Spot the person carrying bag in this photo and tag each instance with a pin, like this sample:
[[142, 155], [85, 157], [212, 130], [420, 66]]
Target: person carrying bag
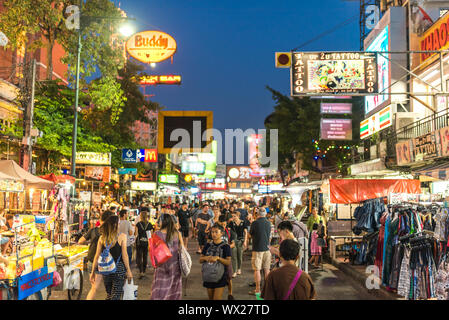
[[142, 244]]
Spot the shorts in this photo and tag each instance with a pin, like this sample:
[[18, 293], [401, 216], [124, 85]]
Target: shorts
[[261, 260], [4, 240], [202, 240], [185, 232]]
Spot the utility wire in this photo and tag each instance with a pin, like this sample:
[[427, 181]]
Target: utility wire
[[331, 30]]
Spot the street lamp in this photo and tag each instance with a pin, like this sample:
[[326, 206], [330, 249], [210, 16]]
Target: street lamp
[[126, 30]]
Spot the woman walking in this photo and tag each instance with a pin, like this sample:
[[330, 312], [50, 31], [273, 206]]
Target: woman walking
[[216, 251], [117, 243], [142, 227], [167, 282]]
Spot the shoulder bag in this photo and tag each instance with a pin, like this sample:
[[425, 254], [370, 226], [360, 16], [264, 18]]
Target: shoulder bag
[[185, 261], [293, 284], [158, 251]]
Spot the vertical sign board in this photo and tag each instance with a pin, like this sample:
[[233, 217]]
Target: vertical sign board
[[33, 282], [378, 121], [336, 129]]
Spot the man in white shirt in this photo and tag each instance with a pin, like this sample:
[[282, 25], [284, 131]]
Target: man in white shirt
[[125, 227]]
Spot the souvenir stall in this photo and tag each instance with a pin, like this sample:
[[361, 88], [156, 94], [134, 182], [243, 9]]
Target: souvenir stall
[[28, 260], [360, 205]]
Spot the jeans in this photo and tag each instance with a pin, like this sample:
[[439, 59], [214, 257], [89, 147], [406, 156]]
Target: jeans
[[237, 255], [142, 257]]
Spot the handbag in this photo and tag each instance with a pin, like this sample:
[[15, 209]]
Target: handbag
[[158, 251], [130, 291], [185, 261], [293, 284]]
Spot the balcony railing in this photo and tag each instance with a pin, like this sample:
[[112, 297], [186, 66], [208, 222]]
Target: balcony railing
[[416, 129]]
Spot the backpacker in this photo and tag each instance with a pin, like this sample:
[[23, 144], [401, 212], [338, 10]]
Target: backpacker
[[106, 263], [142, 241], [213, 271]]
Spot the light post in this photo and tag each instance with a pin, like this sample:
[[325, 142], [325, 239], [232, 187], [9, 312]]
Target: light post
[[126, 31]]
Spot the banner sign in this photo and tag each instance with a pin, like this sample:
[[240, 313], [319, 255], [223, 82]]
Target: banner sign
[[33, 282], [193, 167], [434, 39], [239, 173], [146, 155], [168, 178], [96, 198], [333, 72], [378, 121], [98, 173], [148, 175], [132, 171], [336, 108], [11, 186], [84, 195], [129, 156], [143, 186], [93, 158], [428, 146], [213, 186], [336, 129]]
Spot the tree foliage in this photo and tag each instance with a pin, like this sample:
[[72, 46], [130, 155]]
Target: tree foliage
[[298, 124]]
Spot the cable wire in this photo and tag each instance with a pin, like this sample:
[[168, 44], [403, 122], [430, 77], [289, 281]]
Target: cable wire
[[331, 30]]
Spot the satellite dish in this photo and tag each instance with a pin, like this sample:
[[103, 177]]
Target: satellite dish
[[3, 39]]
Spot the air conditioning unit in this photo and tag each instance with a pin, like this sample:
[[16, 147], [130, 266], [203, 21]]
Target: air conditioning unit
[[403, 119]]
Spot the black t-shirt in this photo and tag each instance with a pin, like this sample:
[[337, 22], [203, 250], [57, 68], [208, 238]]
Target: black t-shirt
[[225, 252], [260, 232], [229, 236], [203, 216], [92, 235], [240, 229], [183, 217]]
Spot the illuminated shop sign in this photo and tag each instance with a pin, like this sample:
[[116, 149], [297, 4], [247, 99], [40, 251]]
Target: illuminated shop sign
[[151, 46], [333, 72], [155, 80]]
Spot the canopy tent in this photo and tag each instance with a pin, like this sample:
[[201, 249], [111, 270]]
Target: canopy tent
[[346, 191], [11, 168], [4, 176], [58, 179]]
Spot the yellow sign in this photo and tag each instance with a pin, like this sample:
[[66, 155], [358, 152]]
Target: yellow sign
[[93, 158], [154, 80], [434, 39], [188, 178], [151, 46]]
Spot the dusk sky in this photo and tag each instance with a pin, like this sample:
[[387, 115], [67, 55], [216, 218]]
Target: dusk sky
[[226, 50]]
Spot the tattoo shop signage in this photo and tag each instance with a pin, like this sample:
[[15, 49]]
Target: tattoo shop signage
[[428, 146], [34, 282], [333, 73]]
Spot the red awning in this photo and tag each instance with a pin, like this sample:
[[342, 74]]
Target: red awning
[[58, 179], [346, 191]]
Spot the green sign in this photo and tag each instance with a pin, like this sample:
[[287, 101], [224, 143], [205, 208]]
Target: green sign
[[168, 178], [211, 162]]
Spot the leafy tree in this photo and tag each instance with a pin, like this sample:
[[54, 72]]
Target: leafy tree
[[298, 124]]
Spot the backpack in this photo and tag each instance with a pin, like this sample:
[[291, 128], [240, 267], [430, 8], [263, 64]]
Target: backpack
[[143, 241], [106, 263], [213, 271]]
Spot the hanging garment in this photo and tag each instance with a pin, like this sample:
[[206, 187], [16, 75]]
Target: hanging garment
[[405, 274], [396, 266], [392, 227], [380, 244]]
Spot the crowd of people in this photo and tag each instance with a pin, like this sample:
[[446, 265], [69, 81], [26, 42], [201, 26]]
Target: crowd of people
[[223, 230]]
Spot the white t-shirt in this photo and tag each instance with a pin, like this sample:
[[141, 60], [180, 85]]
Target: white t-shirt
[[124, 226]]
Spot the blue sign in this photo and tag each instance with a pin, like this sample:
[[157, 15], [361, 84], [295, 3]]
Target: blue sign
[[33, 282], [129, 156], [140, 155], [132, 171]]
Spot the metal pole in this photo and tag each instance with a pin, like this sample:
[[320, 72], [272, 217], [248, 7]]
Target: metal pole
[[33, 86], [75, 118]]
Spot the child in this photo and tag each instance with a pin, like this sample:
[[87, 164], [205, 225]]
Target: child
[[315, 249]]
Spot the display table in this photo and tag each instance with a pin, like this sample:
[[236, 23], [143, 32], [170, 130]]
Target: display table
[[334, 239]]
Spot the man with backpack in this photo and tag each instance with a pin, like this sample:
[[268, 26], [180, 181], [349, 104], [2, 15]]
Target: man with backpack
[[142, 228], [93, 235]]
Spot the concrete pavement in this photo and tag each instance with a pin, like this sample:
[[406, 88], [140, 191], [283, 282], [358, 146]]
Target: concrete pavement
[[330, 283]]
